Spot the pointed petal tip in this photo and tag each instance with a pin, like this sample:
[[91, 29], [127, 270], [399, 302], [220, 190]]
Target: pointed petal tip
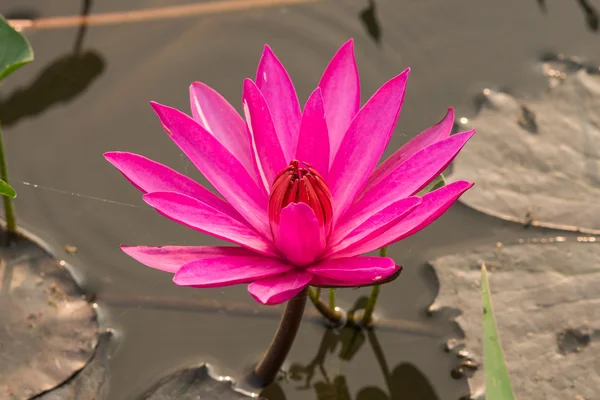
[[448, 117], [129, 250], [150, 197], [196, 84], [110, 155], [248, 82], [467, 134], [463, 185], [399, 79], [248, 85], [348, 44], [268, 50], [159, 110]]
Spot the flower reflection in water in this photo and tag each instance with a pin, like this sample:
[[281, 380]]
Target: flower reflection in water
[[403, 382]]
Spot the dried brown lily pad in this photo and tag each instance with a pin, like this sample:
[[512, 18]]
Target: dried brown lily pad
[[193, 384], [91, 383], [48, 331], [546, 296], [537, 162]]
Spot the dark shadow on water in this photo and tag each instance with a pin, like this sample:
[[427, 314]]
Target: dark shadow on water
[[403, 382], [60, 81], [368, 17], [591, 14]]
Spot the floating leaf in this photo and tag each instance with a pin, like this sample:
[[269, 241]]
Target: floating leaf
[[15, 50], [546, 306], [48, 331], [437, 183], [192, 384], [7, 190], [537, 162], [89, 383], [497, 380]]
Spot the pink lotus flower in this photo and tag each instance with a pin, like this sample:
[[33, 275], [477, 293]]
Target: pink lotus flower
[[300, 191]]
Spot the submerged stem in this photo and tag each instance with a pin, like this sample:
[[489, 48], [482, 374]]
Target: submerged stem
[[370, 307], [271, 362], [9, 211], [332, 299]]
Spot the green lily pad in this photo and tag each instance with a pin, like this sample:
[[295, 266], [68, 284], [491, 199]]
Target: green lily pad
[[546, 298], [15, 50], [537, 161], [7, 190], [48, 331]]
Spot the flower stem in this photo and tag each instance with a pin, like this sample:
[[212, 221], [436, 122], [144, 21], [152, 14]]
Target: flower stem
[[331, 314], [368, 315], [271, 362], [332, 299], [9, 211]]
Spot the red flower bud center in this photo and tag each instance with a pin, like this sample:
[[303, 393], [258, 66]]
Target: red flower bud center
[[300, 183]]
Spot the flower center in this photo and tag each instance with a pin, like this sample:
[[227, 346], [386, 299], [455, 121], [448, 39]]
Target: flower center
[[300, 183]]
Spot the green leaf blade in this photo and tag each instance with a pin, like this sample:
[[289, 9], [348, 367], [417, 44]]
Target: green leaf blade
[[497, 379], [15, 50], [7, 190]]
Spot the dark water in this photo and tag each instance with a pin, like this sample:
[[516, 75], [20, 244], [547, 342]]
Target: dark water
[[82, 97]]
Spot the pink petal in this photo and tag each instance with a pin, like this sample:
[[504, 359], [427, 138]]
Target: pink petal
[[378, 222], [432, 206], [219, 118], [222, 169], [171, 258], [276, 86], [150, 176], [300, 238], [407, 179], [365, 142], [353, 271], [431, 135], [264, 135], [341, 94], [227, 271], [194, 214], [313, 144], [280, 288]]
